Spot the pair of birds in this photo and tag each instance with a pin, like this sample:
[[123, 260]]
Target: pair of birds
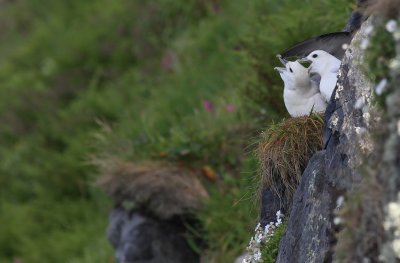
[[309, 89], [304, 92]]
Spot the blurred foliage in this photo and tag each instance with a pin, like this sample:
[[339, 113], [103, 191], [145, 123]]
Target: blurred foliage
[[380, 53], [230, 216], [166, 79], [381, 50]]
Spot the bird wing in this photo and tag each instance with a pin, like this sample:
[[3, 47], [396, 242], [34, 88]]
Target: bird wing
[[316, 78], [335, 69], [331, 43]]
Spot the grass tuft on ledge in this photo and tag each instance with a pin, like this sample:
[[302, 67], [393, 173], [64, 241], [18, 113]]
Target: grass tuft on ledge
[[284, 151]]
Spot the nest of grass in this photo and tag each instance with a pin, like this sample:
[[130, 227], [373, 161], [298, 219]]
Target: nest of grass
[[284, 152], [160, 188]]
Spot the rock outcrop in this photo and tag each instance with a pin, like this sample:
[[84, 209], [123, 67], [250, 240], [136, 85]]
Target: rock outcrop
[[153, 204], [139, 238], [312, 203]]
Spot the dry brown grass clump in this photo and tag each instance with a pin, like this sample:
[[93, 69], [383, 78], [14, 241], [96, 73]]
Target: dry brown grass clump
[[386, 8], [160, 188], [284, 152]]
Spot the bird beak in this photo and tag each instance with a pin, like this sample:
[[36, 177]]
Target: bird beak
[[280, 69], [304, 60], [282, 60]]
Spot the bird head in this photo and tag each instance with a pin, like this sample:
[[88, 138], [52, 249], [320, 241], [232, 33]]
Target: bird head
[[320, 61], [299, 73], [294, 74]]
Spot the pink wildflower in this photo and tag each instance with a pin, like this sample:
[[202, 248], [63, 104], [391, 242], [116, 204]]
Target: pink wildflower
[[230, 108], [168, 61], [216, 8], [208, 106]]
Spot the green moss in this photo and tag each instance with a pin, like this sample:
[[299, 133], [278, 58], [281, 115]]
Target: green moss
[[269, 251]]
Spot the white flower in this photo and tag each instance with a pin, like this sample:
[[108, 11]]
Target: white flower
[[360, 130], [279, 214], [368, 30], [396, 247], [339, 201], [391, 26], [380, 88], [394, 210], [396, 35], [358, 105], [395, 64], [259, 238], [269, 227], [398, 127], [337, 220], [364, 43], [392, 224], [257, 256], [345, 46]]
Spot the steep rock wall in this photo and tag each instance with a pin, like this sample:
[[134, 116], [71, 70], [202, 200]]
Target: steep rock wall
[[331, 172]]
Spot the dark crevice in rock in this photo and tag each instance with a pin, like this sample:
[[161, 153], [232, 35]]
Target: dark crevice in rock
[[270, 204]]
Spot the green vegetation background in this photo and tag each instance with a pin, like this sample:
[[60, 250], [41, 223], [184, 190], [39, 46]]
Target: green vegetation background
[[128, 79]]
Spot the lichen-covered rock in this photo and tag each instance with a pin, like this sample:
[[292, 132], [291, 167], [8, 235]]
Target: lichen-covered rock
[[348, 124], [371, 214], [138, 238], [308, 237]]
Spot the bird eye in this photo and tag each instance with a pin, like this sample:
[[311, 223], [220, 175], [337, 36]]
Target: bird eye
[[291, 70], [315, 55]]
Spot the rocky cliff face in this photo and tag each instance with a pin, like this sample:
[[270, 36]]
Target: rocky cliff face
[[331, 172], [360, 141]]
